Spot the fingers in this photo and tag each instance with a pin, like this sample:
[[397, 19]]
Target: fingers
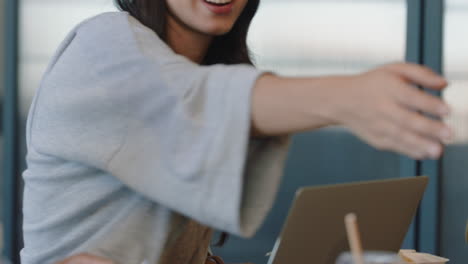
[[412, 134], [418, 147], [417, 100], [428, 127], [396, 138], [418, 75], [422, 101], [423, 133], [389, 118], [85, 259]]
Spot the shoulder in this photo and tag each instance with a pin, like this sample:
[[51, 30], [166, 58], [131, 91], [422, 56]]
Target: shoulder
[[117, 28], [118, 34], [106, 40], [107, 24], [108, 43], [108, 30]]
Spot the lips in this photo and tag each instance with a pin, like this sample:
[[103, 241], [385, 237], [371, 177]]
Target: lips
[[218, 2], [219, 7]]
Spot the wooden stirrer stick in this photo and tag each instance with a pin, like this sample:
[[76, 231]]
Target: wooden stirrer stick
[[354, 238]]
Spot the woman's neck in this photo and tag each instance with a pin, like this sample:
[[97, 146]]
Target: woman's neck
[[187, 42]]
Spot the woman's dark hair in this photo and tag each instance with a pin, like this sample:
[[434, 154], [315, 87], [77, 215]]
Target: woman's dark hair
[[230, 48]]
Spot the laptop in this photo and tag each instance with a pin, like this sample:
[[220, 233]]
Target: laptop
[[314, 231]]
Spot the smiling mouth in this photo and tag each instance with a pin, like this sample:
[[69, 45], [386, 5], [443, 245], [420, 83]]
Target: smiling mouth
[[218, 2]]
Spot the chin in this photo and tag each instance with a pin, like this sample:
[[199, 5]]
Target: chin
[[217, 30]]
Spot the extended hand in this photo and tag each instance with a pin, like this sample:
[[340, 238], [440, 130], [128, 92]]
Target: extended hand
[[384, 108]]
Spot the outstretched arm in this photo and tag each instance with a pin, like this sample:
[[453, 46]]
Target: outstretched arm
[[381, 106]]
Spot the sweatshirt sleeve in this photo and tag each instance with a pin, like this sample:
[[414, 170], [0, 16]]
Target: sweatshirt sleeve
[[118, 99]]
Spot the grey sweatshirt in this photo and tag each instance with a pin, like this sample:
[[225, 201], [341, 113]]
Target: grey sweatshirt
[[124, 134]]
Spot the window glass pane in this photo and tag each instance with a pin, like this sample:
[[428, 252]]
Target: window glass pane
[[311, 37], [322, 37], [454, 181]]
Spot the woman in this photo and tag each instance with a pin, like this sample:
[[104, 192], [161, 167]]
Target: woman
[[150, 128]]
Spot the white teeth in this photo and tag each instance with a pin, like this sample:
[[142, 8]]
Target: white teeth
[[219, 2]]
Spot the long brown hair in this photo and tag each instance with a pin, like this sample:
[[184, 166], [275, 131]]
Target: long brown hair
[[230, 48]]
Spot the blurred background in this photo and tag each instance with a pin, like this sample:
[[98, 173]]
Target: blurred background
[[293, 38]]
